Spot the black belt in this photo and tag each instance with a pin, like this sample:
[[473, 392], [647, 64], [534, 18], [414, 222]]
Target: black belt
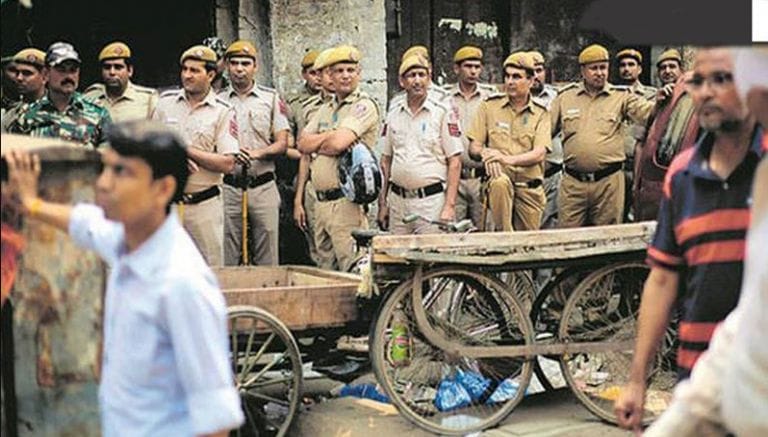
[[329, 195], [596, 176], [552, 169], [533, 183], [249, 181], [200, 196], [420, 193], [472, 173]]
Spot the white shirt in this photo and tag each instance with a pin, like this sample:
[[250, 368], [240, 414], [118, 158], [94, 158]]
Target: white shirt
[[165, 367]]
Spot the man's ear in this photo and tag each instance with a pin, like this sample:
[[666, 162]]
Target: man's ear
[[130, 71], [166, 188]]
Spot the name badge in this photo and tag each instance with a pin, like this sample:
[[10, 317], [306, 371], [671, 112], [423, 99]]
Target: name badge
[[171, 120], [574, 111], [502, 125]]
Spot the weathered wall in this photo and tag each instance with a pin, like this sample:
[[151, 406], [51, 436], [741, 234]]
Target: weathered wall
[[298, 26]]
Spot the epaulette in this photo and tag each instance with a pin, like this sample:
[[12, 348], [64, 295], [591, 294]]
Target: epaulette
[[144, 89], [625, 88], [223, 102], [94, 88], [266, 89], [496, 95], [488, 87], [539, 104], [566, 87], [171, 93]]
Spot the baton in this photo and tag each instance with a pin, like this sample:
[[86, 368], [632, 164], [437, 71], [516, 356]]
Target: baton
[[244, 215]]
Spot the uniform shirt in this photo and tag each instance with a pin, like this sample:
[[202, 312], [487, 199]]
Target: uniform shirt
[[700, 235], [261, 114], [82, 121], [501, 127], [296, 105], [136, 103], [165, 366], [420, 143], [467, 108], [12, 114], [358, 113], [311, 105], [592, 126], [634, 132], [210, 126], [545, 98]]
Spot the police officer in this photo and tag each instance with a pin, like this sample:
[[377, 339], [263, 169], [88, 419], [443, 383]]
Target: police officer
[[350, 117], [208, 125], [63, 112], [305, 197], [311, 87], [434, 91], [590, 115], [545, 94], [30, 82], [511, 134], [630, 67], [219, 47], [421, 156], [669, 66], [465, 97], [263, 133], [124, 99]]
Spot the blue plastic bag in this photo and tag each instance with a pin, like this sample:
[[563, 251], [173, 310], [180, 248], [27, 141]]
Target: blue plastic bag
[[473, 382], [451, 395], [504, 392], [365, 391]]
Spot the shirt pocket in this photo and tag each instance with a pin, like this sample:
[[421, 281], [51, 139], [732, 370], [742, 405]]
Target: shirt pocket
[[259, 122], [499, 138], [607, 123], [571, 123], [524, 140], [203, 134]]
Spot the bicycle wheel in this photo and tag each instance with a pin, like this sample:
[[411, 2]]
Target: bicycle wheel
[[520, 283], [267, 368], [469, 308], [604, 307]]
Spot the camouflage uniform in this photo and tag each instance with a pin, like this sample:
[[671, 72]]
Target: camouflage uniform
[[82, 121]]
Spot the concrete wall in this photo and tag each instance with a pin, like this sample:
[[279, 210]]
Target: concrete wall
[[299, 25]]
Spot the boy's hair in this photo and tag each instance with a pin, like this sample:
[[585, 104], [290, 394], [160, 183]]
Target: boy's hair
[[161, 148]]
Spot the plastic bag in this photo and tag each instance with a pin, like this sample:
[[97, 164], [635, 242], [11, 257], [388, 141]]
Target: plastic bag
[[473, 382], [451, 395], [504, 392]]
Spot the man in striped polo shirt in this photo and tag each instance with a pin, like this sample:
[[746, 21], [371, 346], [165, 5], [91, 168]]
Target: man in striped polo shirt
[[697, 253]]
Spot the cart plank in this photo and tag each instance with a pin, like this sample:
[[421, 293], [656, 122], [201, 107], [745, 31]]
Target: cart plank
[[301, 297], [499, 248]]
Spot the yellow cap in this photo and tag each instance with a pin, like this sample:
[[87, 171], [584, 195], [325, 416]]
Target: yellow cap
[[670, 54], [413, 61], [322, 59], [593, 53], [630, 53], [538, 58], [415, 50], [31, 56], [343, 54], [522, 60], [309, 59], [115, 50], [467, 52], [241, 48], [200, 53]]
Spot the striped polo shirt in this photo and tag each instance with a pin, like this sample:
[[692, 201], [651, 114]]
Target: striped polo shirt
[[702, 225]]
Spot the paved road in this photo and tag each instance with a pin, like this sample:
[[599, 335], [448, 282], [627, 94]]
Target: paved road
[[550, 414]]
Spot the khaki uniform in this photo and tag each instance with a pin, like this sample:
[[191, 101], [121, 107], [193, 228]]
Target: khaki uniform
[[633, 132], [210, 126], [419, 145], [335, 219], [553, 164], [296, 105], [136, 103], [593, 142], [516, 199], [261, 114], [469, 202]]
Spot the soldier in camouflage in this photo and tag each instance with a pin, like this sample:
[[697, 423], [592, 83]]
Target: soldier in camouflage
[[63, 112], [30, 83]]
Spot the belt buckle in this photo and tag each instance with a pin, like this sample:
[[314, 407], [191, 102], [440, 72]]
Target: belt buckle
[[590, 177], [186, 198]]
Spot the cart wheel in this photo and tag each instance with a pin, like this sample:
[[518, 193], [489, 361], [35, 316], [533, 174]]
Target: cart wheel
[[604, 307], [267, 368], [546, 313], [464, 306]]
